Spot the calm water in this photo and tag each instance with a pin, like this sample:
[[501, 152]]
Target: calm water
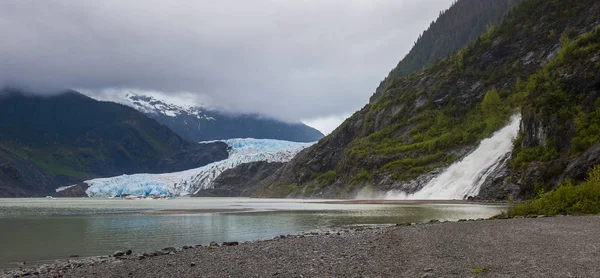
[[47, 229]]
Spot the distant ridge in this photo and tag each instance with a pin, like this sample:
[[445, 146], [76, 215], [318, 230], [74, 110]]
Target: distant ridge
[[197, 123]]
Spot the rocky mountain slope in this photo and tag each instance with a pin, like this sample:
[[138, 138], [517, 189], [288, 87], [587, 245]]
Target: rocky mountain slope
[[240, 181], [456, 27], [424, 122], [21, 177], [196, 123], [50, 141], [560, 131]]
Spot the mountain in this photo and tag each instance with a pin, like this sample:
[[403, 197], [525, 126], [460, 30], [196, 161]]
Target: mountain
[[541, 61], [49, 141], [197, 123], [240, 181], [456, 27], [195, 181]]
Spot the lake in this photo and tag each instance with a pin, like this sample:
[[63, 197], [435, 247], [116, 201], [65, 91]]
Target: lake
[[39, 229]]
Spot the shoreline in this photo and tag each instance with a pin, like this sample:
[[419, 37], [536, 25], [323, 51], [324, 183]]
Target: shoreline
[[413, 202], [436, 248]]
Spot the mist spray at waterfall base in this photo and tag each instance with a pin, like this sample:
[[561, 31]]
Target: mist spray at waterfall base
[[465, 177]]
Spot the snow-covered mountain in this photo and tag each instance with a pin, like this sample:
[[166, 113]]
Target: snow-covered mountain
[[190, 181], [202, 123]]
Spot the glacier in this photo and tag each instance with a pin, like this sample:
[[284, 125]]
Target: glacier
[[187, 182]]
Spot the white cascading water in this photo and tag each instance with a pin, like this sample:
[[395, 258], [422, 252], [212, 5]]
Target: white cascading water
[[465, 177]]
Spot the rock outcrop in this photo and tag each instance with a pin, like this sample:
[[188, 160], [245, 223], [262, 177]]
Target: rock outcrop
[[241, 181]]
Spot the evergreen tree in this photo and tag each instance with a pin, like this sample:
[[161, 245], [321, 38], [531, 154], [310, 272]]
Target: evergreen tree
[[456, 27]]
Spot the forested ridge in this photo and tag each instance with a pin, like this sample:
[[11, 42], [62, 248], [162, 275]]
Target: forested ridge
[[456, 26]]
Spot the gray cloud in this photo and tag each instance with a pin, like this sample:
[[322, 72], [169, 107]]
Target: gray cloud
[[288, 59]]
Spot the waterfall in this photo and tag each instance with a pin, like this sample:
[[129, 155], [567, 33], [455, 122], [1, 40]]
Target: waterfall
[[465, 177]]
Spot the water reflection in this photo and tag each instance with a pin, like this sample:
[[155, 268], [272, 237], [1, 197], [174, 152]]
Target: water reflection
[[44, 233]]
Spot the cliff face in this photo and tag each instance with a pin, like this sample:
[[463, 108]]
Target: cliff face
[[560, 130], [426, 121]]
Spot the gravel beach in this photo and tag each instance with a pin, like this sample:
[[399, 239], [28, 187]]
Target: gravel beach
[[532, 247]]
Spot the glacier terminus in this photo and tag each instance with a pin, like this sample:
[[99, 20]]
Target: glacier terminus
[[188, 182]]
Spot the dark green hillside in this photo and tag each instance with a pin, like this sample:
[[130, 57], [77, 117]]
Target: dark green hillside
[[72, 137], [426, 121], [456, 27]]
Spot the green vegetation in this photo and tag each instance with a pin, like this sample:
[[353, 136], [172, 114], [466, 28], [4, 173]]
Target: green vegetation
[[588, 130], [362, 177], [479, 270], [566, 199], [435, 134], [453, 30], [326, 178], [550, 99]]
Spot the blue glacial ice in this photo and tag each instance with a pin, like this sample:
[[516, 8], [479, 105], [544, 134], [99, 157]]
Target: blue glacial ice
[[188, 182]]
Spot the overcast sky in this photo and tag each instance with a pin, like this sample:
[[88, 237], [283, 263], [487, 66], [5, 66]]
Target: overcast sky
[[313, 60]]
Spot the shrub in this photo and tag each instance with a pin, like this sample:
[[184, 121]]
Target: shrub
[[327, 177], [363, 176], [566, 199]]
